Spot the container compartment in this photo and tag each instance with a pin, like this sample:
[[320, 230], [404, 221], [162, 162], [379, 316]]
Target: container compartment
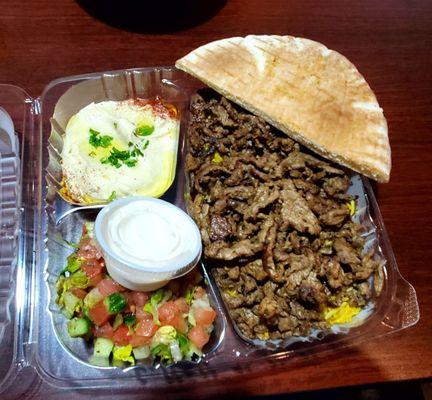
[[68, 230], [63, 221], [32, 331]]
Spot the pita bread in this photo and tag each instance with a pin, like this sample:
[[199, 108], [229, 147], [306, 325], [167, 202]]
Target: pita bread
[[313, 94]]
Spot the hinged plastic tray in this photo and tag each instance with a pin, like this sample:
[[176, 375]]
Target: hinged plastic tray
[[34, 220]]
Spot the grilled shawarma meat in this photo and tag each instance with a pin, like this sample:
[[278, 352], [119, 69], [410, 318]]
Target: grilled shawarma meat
[[274, 222]]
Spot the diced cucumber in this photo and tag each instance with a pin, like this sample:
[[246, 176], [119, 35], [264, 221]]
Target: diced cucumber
[[117, 321], [99, 361], [78, 327], [103, 347], [93, 297], [142, 352], [72, 303]]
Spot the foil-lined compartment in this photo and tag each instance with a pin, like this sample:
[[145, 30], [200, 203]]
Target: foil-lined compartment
[[109, 86]]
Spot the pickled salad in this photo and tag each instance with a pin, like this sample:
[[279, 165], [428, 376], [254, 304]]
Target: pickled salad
[[168, 325]]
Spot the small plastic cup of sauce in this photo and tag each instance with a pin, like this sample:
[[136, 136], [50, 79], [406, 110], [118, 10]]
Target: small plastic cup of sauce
[[146, 242]]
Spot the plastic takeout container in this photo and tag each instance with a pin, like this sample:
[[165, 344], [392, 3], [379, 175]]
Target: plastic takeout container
[[36, 221], [144, 275]]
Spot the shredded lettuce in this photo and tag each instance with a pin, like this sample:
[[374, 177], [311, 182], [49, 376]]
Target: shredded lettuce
[[165, 334], [155, 300], [123, 354], [79, 279], [89, 228], [63, 285], [142, 352], [190, 294], [163, 352], [73, 263]]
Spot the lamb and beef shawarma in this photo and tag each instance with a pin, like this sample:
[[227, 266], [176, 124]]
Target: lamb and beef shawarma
[[276, 224]]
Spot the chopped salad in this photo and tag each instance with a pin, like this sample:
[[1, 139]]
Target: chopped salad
[[168, 325]]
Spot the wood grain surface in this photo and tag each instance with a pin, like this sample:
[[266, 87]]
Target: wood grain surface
[[390, 42]]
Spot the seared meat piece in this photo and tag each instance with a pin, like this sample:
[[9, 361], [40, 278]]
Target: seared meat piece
[[264, 196], [367, 267], [295, 211], [346, 254], [268, 308], [220, 228], [333, 272], [234, 273], [295, 160], [312, 290], [335, 217], [256, 270], [337, 184], [274, 222], [222, 251]]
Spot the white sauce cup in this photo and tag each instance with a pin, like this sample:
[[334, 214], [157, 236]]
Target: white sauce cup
[[146, 242]]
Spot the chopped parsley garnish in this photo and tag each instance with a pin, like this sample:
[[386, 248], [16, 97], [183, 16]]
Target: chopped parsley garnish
[[92, 154], [115, 125], [98, 140], [117, 158], [144, 130], [146, 144], [112, 196]]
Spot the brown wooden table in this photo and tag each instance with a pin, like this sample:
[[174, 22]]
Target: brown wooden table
[[390, 42]]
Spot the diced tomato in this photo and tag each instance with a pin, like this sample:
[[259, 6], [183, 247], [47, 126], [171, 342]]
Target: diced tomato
[[199, 292], [99, 314], [107, 286], [142, 315], [198, 336], [181, 305], [87, 249], [80, 293], [137, 341], [179, 322], [96, 279], [204, 316], [146, 328], [121, 335], [104, 331], [139, 298], [92, 267], [167, 312]]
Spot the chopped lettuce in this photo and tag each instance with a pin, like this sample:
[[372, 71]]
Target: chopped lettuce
[[63, 285], [163, 352], [73, 264], [89, 228], [190, 294], [80, 280], [142, 352], [123, 354], [155, 300], [72, 304], [165, 334]]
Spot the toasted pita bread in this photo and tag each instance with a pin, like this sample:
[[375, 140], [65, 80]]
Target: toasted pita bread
[[313, 94]]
